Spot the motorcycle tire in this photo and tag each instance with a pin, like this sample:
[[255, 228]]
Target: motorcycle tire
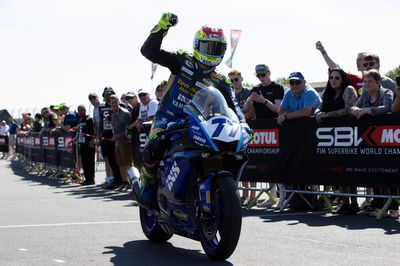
[[219, 236], [151, 228]]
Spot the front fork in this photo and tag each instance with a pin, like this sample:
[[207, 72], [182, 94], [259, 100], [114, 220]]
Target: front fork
[[205, 191]]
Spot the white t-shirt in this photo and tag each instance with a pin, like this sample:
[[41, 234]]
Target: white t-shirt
[[4, 130], [146, 111]]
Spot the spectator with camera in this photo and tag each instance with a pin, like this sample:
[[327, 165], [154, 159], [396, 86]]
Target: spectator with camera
[[263, 102]]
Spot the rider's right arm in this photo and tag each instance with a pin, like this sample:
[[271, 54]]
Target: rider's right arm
[[151, 49]]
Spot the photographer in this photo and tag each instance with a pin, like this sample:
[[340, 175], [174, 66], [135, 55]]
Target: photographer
[[396, 103]]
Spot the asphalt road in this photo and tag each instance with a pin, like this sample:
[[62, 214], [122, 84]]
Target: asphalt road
[[45, 222]]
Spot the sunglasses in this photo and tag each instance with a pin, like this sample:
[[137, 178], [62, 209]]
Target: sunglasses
[[371, 63], [142, 95], [295, 82], [334, 77], [261, 75], [158, 90], [235, 79]]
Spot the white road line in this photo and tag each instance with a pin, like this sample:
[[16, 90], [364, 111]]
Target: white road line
[[66, 224], [22, 249], [59, 261]]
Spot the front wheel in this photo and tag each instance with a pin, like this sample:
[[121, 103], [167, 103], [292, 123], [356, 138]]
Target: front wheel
[[151, 228], [219, 233]]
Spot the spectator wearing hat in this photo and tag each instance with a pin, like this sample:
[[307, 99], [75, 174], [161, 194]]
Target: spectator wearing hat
[[148, 108], [300, 101], [107, 146], [124, 103], [265, 98], [263, 103], [26, 124]]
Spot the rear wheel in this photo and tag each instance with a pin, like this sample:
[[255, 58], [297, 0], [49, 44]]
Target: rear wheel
[[219, 233], [151, 228]]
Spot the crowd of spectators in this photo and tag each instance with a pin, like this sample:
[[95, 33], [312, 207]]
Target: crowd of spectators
[[346, 94], [115, 123]]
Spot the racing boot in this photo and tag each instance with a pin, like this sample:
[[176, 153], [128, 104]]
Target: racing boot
[[146, 192]]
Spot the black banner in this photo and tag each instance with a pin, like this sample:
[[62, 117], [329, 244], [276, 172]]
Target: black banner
[[65, 149], [342, 151], [52, 149], [3, 143]]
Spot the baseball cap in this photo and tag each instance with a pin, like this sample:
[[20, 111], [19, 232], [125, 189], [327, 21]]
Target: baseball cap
[[130, 94], [92, 95], [108, 90], [142, 91], [296, 75], [261, 69]]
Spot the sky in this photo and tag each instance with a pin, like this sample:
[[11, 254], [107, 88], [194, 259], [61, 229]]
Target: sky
[[59, 51]]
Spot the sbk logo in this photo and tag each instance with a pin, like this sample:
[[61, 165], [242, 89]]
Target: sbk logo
[[349, 136]]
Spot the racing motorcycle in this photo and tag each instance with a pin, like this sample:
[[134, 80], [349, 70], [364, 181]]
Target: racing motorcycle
[[197, 178]]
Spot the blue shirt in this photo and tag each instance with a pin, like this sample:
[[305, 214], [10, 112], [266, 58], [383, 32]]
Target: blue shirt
[[309, 97], [13, 128], [71, 119]]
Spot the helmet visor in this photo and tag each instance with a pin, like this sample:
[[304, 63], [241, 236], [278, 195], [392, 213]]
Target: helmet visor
[[211, 48]]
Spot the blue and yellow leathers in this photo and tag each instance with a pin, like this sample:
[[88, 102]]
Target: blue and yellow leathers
[[186, 78]]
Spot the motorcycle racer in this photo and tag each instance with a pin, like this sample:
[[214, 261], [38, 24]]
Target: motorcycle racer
[[189, 73]]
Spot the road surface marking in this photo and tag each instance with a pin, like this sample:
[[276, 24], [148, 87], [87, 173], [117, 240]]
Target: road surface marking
[[66, 224]]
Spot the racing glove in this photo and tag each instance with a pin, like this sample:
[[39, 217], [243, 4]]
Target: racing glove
[[249, 131], [167, 21]]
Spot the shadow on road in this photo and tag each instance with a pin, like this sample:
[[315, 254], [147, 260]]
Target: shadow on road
[[351, 222], [77, 190], [315, 219], [143, 252]]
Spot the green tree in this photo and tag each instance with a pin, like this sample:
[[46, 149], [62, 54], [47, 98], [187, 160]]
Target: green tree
[[282, 80], [393, 73], [248, 85]]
